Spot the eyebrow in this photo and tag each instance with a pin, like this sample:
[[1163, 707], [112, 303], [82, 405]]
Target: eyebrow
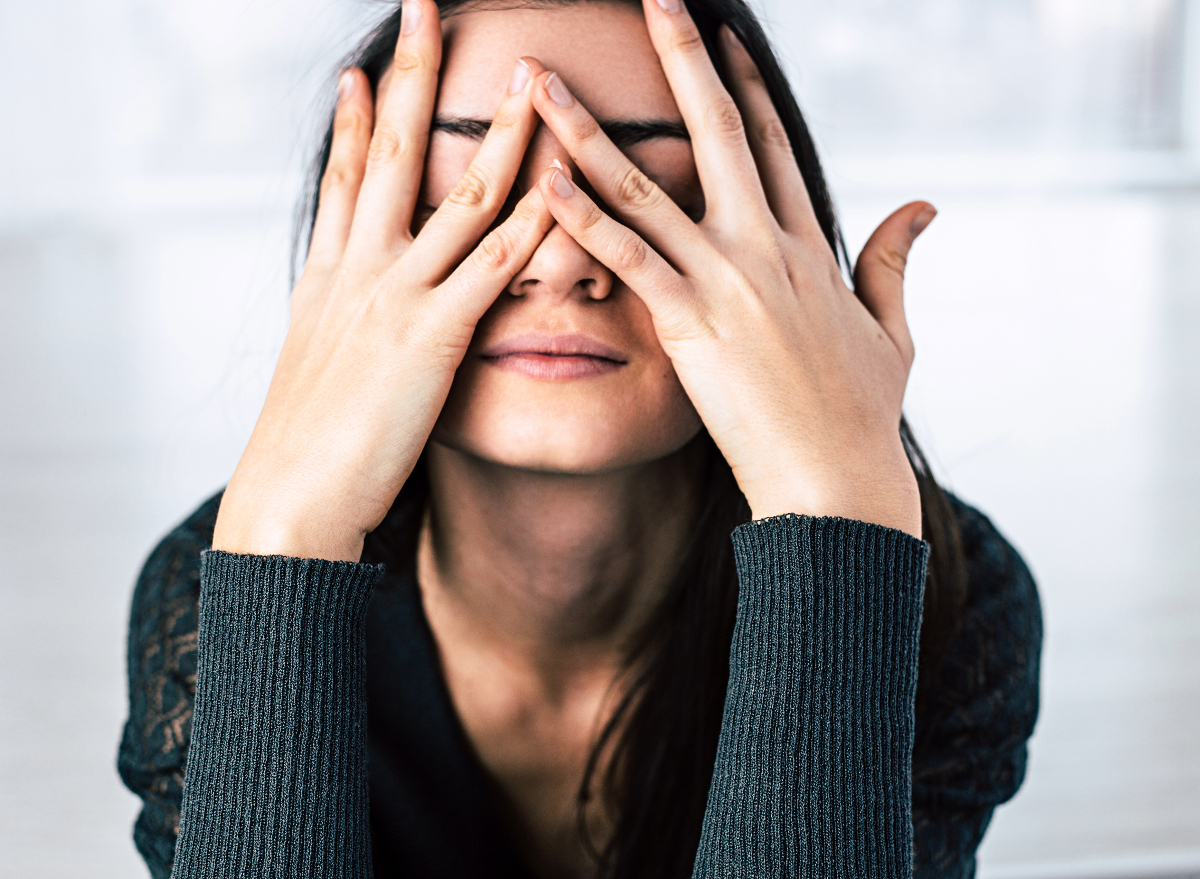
[[622, 132]]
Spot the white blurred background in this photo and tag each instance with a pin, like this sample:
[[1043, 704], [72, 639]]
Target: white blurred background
[[150, 159]]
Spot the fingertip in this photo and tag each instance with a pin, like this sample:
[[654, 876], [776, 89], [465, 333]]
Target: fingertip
[[354, 98], [556, 179], [541, 98], [350, 84], [557, 91], [410, 17], [921, 220], [560, 184], [420, 32], [536, 66]]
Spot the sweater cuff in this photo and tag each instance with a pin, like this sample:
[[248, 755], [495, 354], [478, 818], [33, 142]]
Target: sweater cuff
[[813, 774], [278, 749]]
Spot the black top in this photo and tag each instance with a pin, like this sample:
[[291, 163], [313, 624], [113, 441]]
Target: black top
[[430, 811]]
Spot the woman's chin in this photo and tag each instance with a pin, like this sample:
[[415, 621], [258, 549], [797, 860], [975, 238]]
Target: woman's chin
[[550, 451], [561, 445], [590, 426]]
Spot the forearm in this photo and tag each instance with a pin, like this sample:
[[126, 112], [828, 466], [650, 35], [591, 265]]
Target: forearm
[[813, 768], [276, 779]]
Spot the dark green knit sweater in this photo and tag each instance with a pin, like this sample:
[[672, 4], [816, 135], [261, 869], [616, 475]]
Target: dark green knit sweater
[[814, 774]]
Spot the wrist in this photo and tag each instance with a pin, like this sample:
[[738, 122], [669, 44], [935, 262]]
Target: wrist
[[276, 529], [881, 490]]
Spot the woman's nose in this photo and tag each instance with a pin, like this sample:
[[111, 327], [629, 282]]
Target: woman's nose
[[559, 267]]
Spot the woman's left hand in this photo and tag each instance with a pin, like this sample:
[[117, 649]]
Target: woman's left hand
[[798, 379]]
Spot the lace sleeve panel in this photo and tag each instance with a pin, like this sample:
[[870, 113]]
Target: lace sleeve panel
[[970, 756], [162, 684]]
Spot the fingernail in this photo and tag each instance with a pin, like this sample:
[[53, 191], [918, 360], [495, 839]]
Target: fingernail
[[555, 163], [520, 76], [561, 185], [671, 6], [345, 85], [558, 92], [921, 220], [410, 17]]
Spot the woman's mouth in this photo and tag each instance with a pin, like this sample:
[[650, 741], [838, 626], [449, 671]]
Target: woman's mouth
[[554, 357]]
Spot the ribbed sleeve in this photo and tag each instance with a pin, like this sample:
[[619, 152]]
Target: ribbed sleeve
[[813, 772], [276, 778]]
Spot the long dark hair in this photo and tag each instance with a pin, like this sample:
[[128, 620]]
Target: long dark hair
[[652, 762]]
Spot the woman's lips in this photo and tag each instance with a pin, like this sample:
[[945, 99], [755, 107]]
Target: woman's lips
[[554, 357]]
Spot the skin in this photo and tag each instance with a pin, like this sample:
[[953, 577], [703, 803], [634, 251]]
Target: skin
[[560, 505]]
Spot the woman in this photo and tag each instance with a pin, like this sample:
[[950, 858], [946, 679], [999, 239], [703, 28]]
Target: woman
[[571, 316]]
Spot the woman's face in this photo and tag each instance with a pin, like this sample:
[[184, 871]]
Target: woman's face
[[565, 373]]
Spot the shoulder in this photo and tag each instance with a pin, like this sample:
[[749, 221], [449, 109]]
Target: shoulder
[[998, 640], [164, 612], [994, 567], [163, 621], [978, 707], [169, 582], [981, 702], [175, 561], [167, 593]]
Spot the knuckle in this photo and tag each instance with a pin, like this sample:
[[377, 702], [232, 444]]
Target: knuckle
[[631, 252], [495, 251], [409, 63], [338, 177], [773, 134], [723, 119], [584, 128], [590, 217], [637, 190], [386, 146], [349, 124], [687, 40], [505, 121], [524, 214], [892, 258], [472, 190]]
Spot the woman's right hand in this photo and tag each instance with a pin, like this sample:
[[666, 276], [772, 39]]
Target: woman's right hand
[[380, 319]]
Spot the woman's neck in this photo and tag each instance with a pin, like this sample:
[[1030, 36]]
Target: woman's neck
[[561, 571], [534, 586]]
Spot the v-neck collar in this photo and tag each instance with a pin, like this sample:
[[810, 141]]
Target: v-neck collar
[[431, 811]]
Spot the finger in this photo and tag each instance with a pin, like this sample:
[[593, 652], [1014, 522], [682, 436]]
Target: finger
[[484, 274], [344, 171], [619, 248], [732, 189], [396, 156], [780, 175], [879, 273], [471, 207], [622, 185]]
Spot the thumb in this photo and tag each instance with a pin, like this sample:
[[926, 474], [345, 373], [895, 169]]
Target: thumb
[[879, 273]]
